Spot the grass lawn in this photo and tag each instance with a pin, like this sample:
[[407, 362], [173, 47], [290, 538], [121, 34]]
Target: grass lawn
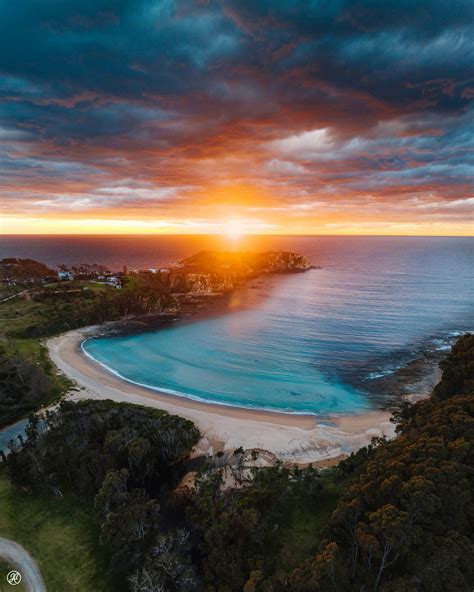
[[62, 538], [4, 586]]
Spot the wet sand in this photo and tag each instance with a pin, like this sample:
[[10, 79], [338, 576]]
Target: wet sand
[[292, 438]]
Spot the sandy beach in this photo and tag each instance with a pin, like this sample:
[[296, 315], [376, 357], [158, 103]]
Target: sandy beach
[[292, 438]]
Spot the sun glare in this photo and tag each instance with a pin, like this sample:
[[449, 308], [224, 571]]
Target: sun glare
[[234, 229]]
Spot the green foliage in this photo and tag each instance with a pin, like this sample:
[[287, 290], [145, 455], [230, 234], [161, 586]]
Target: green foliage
[[25, 385], [246, 538], [87, 439], [121, 457], [405, 519], [130, 528], [61, 535], [79, 304], [28, 379], [167, 566], [458, 370]]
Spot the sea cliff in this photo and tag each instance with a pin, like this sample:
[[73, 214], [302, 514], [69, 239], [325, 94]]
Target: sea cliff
[[211, 272], [247, 263]]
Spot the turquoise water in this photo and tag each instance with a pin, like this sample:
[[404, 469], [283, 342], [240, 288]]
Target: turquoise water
[[312, 342], [242, 358]]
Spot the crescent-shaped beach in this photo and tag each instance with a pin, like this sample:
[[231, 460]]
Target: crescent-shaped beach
[[292, 438]]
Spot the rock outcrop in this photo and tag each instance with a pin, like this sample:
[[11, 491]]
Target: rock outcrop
[[245, 263], [282, 262], [209, 272]]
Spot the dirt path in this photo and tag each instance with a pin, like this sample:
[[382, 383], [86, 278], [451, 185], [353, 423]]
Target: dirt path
[[24, 563]]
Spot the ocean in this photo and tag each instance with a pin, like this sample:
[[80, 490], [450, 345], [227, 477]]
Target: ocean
[[315, 342]]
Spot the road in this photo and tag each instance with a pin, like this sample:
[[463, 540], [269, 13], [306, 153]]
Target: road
[[33, 289], [14, 295], [22, 561]]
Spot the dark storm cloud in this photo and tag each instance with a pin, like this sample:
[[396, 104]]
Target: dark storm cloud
[[362, 94]]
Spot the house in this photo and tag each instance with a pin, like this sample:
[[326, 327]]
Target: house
[[65, 275], [114, 281]]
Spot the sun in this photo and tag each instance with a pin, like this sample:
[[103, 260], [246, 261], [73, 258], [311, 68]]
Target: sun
[[234, 229]]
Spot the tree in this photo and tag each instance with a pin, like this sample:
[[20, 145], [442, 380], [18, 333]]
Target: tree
[[129, 529], [167, 566], [405, 518]]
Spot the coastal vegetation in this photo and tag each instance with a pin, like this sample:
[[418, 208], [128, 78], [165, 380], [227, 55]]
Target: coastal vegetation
[[405, 518], [397, 515], [28, 379], [119, 459], [62, 537], [38, 302], [123, 463]]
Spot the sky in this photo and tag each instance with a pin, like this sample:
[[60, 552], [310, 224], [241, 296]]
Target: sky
[[282, 117]]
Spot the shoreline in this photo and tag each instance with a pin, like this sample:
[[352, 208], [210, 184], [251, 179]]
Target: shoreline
[[293, 438], [200, 401]]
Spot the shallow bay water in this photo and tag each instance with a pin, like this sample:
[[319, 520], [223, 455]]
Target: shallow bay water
[[311, 342]]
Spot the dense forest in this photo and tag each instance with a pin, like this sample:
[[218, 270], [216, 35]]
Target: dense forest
[[395, 516], [405, 519]]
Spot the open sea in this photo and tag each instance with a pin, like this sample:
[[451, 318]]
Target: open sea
[[303, 343]]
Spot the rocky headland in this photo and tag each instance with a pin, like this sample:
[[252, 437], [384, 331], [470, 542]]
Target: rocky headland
[[200, 283], [209, 272]]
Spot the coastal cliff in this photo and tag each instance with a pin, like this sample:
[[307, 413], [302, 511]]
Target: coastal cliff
[[211, 272], [244, 263]]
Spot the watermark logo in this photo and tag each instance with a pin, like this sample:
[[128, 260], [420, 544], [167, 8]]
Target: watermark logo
[[13, 577]]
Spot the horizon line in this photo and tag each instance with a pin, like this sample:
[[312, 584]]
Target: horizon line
[[223, 236]]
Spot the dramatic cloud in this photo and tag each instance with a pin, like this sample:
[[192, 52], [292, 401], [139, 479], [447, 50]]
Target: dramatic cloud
[[294, 116]]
